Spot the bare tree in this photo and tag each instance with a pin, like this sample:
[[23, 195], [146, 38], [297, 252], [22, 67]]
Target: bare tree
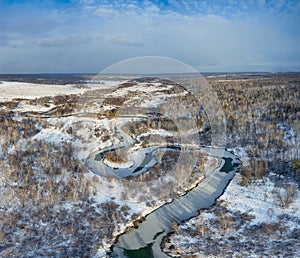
[[286, 197]]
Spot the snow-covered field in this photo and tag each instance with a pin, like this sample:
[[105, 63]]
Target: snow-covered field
[[258, 200], [247, 221], [12, 90]]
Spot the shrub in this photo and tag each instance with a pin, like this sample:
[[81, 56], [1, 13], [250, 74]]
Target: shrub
[[286, 197], [244, 181]]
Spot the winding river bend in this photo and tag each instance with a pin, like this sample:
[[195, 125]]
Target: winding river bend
[[145, 240]]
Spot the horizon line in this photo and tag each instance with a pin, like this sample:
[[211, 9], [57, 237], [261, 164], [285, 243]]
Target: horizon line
[[128, 74]]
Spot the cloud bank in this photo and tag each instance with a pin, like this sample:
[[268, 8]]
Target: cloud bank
[[89, 35]]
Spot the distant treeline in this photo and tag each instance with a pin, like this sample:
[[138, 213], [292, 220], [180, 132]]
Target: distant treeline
[[74, 78], [61, 79]]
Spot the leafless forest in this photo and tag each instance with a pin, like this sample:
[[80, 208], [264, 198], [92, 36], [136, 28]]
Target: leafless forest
[[39, 178]]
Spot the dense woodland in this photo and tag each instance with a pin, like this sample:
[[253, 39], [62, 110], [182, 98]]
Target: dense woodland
[[263, 116], [38, 180]]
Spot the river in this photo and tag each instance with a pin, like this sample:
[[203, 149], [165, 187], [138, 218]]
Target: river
[[145, 240]]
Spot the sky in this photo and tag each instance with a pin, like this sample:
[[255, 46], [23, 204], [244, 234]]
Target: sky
[[86, 36]]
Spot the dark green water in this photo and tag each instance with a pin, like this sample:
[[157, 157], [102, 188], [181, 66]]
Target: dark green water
[[144, 252], [228, 165]]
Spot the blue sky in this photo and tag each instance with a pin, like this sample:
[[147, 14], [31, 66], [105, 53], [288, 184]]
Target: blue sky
[[54, 36]]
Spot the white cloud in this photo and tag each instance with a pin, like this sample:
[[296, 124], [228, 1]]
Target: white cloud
[[109, 31], [103, 10]]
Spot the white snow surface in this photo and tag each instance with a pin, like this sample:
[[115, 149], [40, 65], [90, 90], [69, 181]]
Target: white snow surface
[[52, 135], [24, 106], [12, 90], [142, 87], [258, 200]]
